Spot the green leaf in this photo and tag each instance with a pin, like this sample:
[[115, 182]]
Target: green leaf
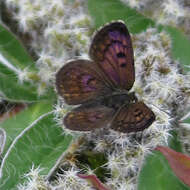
[[180, 45], [103, 11], [94, 161], [14, 59], [12, 90], [174, 142], [156, 174], [15, 125], [179, 163], [13, 51], [38, 143], [2, 140]]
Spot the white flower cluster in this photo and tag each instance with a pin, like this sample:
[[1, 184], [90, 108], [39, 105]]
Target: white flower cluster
[[165, 85], [159, 79], [59, 30], [169, 12], [34, 180], [68, 180]]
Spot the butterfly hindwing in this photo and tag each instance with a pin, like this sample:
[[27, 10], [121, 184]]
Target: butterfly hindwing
[[132, 118], [112, 50], [86, 118], [80, 81]]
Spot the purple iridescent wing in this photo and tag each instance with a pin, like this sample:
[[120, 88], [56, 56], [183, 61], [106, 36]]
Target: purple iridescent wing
[[80, 81], [86, 118], [112, 50], [132, 118]]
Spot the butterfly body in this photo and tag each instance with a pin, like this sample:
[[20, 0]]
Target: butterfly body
[[101, 86], [116, 101]]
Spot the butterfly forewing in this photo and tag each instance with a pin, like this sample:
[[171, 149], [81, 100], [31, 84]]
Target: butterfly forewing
[[112, 50], [86, 118], [80, 81], [132, 118]]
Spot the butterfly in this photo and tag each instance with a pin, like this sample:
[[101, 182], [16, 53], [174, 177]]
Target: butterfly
[[101, 85]]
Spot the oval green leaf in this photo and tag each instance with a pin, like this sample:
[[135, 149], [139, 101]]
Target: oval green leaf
[[41, 143], [156, 174]]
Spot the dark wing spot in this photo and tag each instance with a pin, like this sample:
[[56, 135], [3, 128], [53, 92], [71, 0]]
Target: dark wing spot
[[137, 113], [120, 55], [123, 64], [91, 82]]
